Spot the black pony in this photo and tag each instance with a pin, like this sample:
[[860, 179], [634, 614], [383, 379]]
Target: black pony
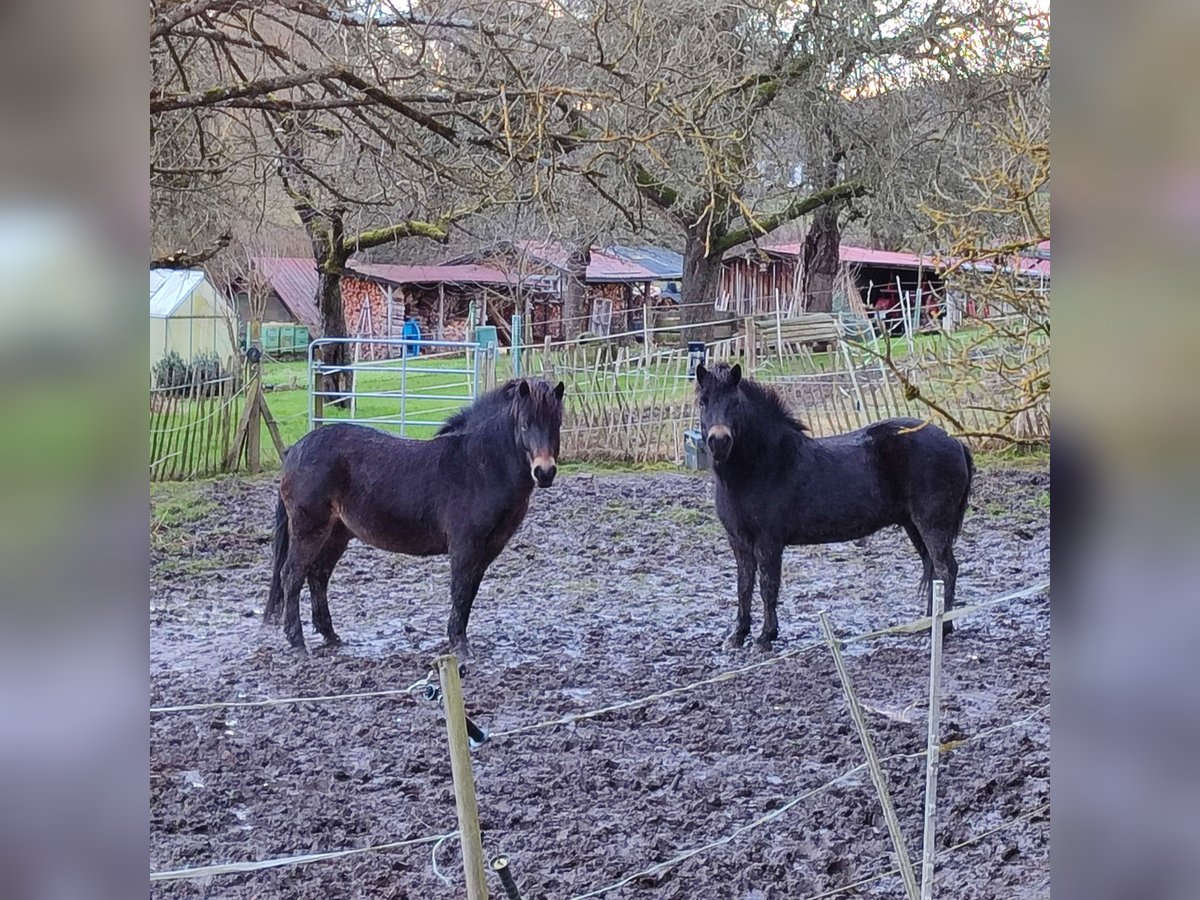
[[464, 492], [776, 486]]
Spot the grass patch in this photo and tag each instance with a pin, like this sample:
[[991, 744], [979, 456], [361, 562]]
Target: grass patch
[[174, 508], [690, 518], [1036, 458], [995, 508]]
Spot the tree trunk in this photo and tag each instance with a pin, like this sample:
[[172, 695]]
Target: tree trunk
[[701, 281], [822, 259], [574, 291], [331, 257]]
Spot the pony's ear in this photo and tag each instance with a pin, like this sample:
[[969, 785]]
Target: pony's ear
[[735, 375], [701, 373], [523, 388], [559, 390]]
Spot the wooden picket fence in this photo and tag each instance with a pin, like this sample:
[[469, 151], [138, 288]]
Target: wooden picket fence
[[193, 427], [631, 404]]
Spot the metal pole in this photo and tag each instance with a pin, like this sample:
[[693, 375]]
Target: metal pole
[[877, 776], [464, 781], [313, 387], [932, 743], [403, 386], [474, 371], [516, 345]]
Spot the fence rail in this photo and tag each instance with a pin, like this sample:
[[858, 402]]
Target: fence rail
[[406, 366], [630, 397]]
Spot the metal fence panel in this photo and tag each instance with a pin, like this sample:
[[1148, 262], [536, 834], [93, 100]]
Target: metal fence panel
[[428, 380]]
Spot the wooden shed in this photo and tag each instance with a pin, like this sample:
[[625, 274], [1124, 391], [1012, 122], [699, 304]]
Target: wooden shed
[[617, 282]]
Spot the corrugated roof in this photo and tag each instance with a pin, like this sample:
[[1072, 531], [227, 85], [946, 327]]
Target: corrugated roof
[[170, 287], [1033, 265], [294, 280], [468, 273], [863, 256], [607, 266], [662, 261]]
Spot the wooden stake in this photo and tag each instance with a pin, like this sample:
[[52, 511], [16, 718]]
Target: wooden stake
[[932, 744], [877, 776], [464, 780]]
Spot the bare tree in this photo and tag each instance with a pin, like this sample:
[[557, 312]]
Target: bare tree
[[372, 128], [686, 101], [997, 232]]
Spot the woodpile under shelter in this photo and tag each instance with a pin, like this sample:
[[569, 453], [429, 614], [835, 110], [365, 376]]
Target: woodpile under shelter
[[620, 282]]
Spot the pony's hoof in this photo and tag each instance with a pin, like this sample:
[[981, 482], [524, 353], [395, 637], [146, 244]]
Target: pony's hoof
[[462, 650], [763, 643], [735, 641], [298, 650], [947, 629]]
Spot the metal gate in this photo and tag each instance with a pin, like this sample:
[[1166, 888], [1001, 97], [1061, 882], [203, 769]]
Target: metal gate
[[411, 390]]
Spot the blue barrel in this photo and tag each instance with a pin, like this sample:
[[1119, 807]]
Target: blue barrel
[[412, 332]]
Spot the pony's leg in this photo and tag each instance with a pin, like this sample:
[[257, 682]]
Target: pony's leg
[[945, 567], [466, 574], [926, 588], [770, 568], [746, 568], [319, 574], [305, 545]]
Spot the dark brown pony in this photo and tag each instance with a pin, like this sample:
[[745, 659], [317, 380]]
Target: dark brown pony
[[463, 493], [776, 486]]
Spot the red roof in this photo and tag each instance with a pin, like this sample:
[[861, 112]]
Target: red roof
[[463, 274], [860, 255], [893, 259], [604, 267], [294, 280]]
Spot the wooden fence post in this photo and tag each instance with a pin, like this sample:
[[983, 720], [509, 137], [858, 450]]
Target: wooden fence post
[[885, 798], [254, 429], [751, 345], [464, 780], [932, 743]]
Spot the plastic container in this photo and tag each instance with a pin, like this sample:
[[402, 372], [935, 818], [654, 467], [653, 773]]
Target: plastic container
[[695, 451]]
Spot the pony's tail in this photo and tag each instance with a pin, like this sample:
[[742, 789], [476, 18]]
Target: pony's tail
[[273, 613], [962, 506]]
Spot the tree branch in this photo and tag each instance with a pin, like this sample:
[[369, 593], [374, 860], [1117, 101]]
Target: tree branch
[[181, 259], [794, 210], [217, 95]]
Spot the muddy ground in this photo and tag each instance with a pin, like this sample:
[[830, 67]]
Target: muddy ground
[[616, 586]]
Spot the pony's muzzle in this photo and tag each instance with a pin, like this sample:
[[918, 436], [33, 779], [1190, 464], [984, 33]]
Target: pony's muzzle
[[720, 442], [544, 470]]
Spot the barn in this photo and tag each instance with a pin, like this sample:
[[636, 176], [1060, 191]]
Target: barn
[[761, 279], [190, 317]]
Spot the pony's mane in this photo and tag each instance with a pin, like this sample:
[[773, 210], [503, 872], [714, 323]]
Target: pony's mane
[[767, 404], [485, 407], [496, 403]]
